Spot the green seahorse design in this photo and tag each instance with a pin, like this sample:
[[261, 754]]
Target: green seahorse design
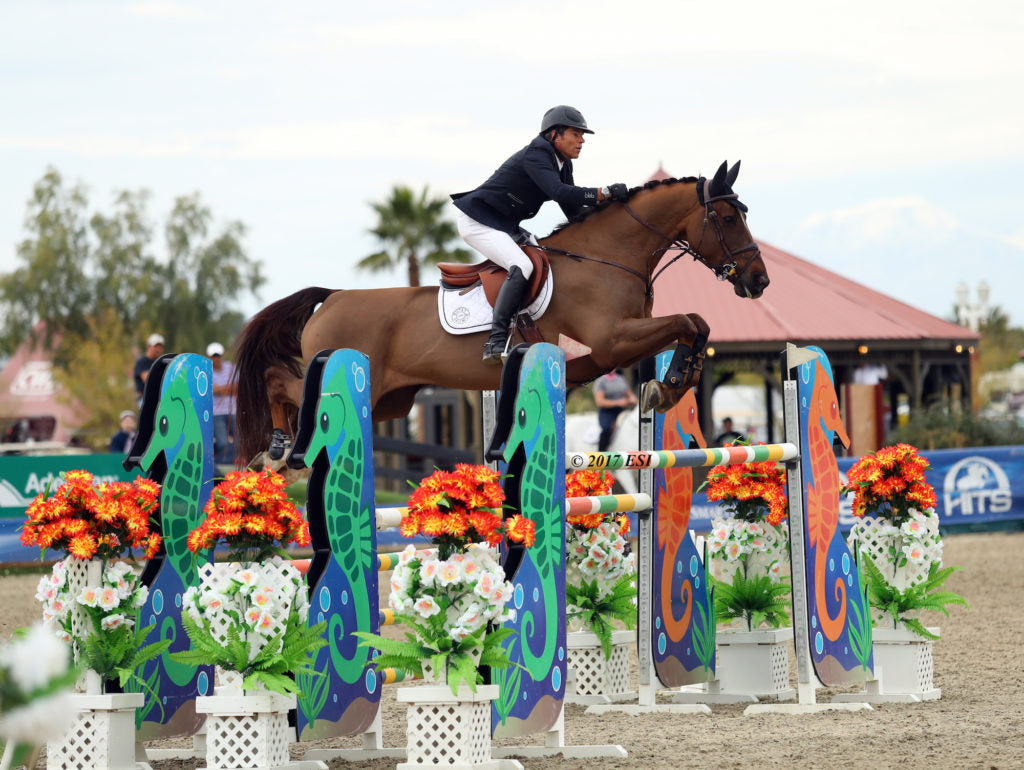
[[178, 434], [535, 425], [349, 515]]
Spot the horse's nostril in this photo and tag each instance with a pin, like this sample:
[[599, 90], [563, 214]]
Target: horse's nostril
[[763, 280]]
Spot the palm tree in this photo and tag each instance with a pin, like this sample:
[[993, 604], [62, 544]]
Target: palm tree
[[412, 228]]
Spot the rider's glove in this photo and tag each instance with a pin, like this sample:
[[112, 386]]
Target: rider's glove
[[618, 192]]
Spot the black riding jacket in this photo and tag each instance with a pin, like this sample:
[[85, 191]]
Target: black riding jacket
[[521, 184]]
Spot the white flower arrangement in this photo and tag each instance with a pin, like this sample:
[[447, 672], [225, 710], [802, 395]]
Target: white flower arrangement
[[600, 578], [470, 586], [735, 542], [99, 620], [35, 682], [905, 553], [252, 618], [598, 554], [256, 600]]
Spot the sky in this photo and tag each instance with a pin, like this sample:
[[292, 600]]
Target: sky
[[881, 140]]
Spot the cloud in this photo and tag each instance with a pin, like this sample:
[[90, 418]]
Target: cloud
[[165, 9], [913, 250], [879, 221]]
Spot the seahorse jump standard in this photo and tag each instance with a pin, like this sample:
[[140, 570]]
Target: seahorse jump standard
[[832, 629], [334, 437]]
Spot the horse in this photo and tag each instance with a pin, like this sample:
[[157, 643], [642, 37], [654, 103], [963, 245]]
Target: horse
[[603, 265]]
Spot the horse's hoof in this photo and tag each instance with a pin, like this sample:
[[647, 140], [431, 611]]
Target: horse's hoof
[[651, 396], [279, 443]]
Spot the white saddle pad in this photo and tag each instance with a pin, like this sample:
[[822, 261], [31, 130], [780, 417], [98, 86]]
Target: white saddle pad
[[466, 310]]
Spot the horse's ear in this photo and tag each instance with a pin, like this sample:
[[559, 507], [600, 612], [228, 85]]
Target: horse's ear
[[717, 186], [734, 172]]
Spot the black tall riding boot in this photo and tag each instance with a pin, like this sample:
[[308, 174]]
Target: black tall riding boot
[[509, 300]]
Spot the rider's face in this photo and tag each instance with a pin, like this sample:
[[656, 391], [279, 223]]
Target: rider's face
[[569, 143]]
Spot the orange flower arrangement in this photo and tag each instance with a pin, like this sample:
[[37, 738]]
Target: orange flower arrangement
[[251, 513], [592, 484], [751, 491], [88, 520], [455, 508], [890, 483]]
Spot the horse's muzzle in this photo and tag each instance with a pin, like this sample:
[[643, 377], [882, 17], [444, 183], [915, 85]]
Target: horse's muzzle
[[752, 288]]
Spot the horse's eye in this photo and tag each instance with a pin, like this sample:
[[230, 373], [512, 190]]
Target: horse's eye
[[730, 219], [324, 422], [522, 418], [163, 426]]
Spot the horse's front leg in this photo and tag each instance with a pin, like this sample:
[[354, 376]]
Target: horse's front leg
[[284, 392], [637, 338]]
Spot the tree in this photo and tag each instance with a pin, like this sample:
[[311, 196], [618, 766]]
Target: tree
[[96, 379], [52, 285], [91, 288], [202, 277], [412, 230], [76, 266], [1001, 344]]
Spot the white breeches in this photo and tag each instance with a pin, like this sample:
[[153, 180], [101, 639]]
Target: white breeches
[[496, 245]]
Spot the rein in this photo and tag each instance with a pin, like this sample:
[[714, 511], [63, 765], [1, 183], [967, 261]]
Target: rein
[[584, 257], [722, 272]]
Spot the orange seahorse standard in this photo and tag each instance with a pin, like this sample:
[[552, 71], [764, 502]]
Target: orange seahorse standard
[[823, 496], [674, 511]]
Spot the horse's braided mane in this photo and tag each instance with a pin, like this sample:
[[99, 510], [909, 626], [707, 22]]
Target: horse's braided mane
[[591, 210]]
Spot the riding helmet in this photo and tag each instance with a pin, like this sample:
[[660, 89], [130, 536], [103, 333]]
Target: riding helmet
[[563, 115]]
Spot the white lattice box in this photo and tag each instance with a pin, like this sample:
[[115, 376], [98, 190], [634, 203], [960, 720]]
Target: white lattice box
[[754, 662], [247, 731], [905, 660], [446, 730], [79, 575], [597, 679], [102, 735]]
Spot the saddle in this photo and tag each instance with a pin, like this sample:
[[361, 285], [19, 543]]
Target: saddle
[[455, 275]]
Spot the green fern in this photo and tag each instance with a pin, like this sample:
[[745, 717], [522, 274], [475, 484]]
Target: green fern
[[117, 653], [757, 600], [458, 659], [270, 668], [597, 610], [923, 596]]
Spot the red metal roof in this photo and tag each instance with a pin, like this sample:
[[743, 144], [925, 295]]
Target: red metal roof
[[804, 303]]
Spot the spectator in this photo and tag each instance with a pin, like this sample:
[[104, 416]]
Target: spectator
[[728, 434], [612, 394], [122, 440], [224, 388], [154, 349]]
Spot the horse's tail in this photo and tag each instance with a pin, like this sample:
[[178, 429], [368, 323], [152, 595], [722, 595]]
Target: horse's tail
[[272, 338]]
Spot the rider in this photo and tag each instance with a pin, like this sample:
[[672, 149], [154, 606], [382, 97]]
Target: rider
[[489, 216]]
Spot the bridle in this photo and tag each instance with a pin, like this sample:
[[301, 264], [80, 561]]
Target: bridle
[[728, 268], [723, 272]]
